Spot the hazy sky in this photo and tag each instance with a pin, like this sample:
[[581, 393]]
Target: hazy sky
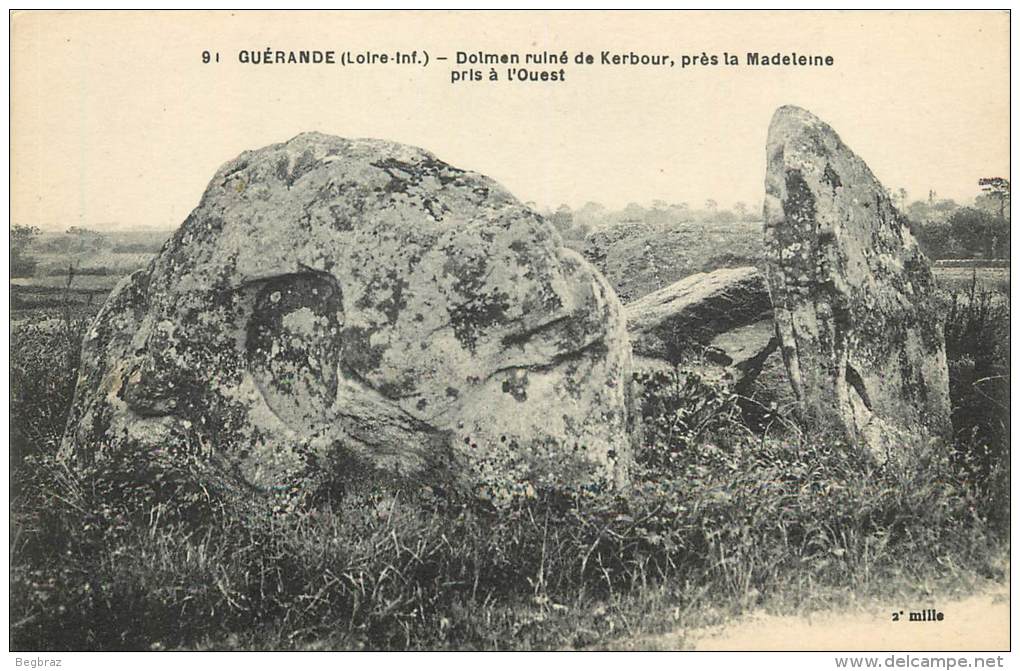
[[116, 119]]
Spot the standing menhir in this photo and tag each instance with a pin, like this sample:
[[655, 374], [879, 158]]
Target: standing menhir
[[853, 295]]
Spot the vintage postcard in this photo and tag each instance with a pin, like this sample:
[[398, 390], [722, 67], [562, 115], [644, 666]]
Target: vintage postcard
[[511, 330]]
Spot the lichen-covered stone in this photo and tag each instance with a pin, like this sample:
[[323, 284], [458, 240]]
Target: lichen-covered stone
[[623, 254], [638, 257], [333, 296], [854, 301], [720, 320]]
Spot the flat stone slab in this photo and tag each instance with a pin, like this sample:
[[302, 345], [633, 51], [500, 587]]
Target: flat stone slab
[[722, 317]]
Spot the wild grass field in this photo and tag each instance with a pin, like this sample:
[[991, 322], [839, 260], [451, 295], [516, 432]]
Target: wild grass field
[[722, 519], [995, 280]]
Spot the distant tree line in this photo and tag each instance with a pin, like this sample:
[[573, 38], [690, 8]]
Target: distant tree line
[[76, 240], [76, 244], [29, 240], [944, 228], [948, 230], [575, 225]]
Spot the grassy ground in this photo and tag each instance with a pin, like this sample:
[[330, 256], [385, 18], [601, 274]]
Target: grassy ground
[[93, 262], [141, 554], [53, 282], [987, 279]]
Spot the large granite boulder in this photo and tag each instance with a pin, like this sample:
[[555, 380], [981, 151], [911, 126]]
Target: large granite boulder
[[332, 300], [854, 300]]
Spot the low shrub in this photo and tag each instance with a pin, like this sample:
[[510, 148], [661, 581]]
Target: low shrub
[[681, 412], [977, 350], [44, 362]]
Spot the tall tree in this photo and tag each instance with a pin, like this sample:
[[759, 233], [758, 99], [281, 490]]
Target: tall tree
[[562, 218], [22, 238], [998, 189]]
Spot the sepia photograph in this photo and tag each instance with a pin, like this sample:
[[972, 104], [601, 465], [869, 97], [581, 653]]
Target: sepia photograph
[[533, 330]]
